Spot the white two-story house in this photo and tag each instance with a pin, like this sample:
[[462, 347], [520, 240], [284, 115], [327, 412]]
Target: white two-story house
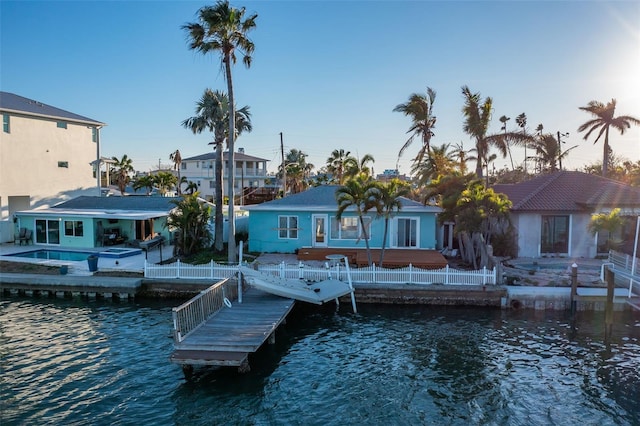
[[251, 173], [47, 155]]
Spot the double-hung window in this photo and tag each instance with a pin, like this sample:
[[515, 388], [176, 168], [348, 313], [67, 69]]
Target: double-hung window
[[6, 123], [288, 227]]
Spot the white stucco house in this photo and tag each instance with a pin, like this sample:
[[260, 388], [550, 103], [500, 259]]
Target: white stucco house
[[46, 156], [552, 213], [250, 172]]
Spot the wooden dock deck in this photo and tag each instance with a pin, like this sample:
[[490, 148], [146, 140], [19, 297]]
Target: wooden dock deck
[[393, 258], [228, 336]]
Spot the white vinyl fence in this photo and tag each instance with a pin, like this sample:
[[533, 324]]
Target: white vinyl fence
[[368, 275]]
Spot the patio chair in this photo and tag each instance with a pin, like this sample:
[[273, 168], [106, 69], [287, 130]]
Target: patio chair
[[21, 233], [26, 237]]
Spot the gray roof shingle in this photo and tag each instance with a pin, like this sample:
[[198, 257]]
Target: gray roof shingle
[[119, 203], [10, 102]]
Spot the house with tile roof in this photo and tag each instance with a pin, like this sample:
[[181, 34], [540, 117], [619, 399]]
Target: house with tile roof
[[87, 221], [250, 171], [308, 219], [46, 156], [552, 213]]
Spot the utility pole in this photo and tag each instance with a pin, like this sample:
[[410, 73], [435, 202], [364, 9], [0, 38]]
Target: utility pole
[[284, 169]]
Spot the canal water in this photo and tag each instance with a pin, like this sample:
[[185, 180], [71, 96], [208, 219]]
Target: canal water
[[74, 362]]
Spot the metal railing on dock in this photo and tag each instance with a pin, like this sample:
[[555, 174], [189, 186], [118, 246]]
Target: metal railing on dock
[[195, 312]]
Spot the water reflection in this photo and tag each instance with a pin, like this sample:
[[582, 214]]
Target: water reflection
[[73, 362]]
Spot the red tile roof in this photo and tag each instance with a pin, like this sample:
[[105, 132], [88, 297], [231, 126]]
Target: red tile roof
[[569, 191]]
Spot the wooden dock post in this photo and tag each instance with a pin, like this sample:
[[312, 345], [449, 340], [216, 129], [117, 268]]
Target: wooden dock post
[[574, 287], [608, 309]]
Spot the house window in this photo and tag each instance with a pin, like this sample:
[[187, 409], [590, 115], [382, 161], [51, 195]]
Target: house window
[[61, 124], [211, 184], [183, 166], [63, 164], [94, 134], [6, 124], [555, 234], [288, 227], [47, 231], [348, 228], [73, 228], [407, 235]]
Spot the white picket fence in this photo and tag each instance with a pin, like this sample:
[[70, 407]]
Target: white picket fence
[[368, 275]]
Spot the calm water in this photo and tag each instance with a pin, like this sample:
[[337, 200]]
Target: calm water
[[101, 363]]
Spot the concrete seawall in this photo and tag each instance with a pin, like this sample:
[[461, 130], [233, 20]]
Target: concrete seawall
[[505, 297]]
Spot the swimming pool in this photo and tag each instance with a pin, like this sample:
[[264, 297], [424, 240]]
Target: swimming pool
[[76, 256]]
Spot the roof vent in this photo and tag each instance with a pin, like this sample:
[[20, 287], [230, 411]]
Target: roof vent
[[241, 150]]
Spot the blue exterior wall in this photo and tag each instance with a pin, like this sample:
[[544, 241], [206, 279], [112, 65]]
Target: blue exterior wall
[[89, 226], [264, 235]]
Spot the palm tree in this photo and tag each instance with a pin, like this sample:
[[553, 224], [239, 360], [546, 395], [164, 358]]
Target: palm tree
[[477, 117], [177, 161], [338, 163], [521, 121], [461, 155], [123, 168], [503, 120], [603, 120], [386, 201], [223, 29], [212, 113], [610, 223], [191, 188], [547, 152], [440, 163], [190, 219], [420, 108], [145, 181], [298, 170], [358, 193], [165, 181], [356, 167]]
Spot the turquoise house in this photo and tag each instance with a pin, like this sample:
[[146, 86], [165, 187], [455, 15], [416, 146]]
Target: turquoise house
[[87, 222], [308, 219]]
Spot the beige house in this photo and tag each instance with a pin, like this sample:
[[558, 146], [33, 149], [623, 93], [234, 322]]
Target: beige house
[[250, 171], [46, 157]]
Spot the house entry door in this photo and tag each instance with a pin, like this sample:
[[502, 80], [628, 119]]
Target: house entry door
[[407, 233], [319, 230]]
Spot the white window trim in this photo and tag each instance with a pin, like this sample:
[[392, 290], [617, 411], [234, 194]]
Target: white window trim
[[393, 232], [360, 234], [289, 229]]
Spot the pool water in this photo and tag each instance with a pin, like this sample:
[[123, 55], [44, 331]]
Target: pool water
[[74, 256]]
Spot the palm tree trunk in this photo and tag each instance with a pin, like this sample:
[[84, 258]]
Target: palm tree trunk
[[384, 240], [366, 240], [218, 243], [605, 157], [231, 255]]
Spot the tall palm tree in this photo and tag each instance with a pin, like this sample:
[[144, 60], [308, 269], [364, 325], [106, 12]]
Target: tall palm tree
[[177, 161], [358, 193], [604, 119], [338, 163], [190, 219], [123, 168], [503, 120], [477, 115], [386, 201], [420, 108], [212, 114], [521, 121], [223, 29]]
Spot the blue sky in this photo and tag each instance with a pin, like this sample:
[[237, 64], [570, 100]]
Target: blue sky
[[328, 74]]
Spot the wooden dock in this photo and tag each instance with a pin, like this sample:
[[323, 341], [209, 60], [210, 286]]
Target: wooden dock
[[227, 335], [393, 258]]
